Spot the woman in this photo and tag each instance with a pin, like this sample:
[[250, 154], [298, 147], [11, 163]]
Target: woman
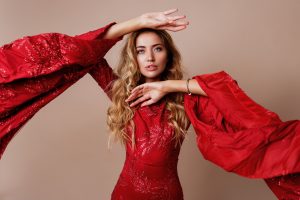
[[152, 143], [147, 112]]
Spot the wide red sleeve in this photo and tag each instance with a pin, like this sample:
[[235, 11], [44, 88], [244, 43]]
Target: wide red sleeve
[[243, 137], [103, 74], [36, 69]]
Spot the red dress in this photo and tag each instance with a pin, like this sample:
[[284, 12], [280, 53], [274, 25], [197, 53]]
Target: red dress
[[150, 170], [232, 130]]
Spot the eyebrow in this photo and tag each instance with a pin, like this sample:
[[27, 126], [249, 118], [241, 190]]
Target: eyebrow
[[152, 45]]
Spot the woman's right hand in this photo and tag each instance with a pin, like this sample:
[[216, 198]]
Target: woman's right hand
[[147, 93], [163, 20]]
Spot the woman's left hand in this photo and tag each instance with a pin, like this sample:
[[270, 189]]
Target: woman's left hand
[[163, 20], [147, 93], [155, 20]]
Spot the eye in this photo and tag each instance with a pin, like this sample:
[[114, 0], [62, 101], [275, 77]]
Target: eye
[[139, 51], [158, 49]]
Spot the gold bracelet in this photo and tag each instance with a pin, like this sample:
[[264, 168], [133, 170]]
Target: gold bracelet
[[187, 87]]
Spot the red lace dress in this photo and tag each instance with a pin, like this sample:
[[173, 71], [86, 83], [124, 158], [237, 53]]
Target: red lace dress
[[232, 130], [150, 170]]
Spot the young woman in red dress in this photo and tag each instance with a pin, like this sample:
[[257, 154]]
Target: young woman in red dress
[[152, 107]]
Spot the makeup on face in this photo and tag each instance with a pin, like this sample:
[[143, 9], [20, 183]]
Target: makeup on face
[[151, 56]]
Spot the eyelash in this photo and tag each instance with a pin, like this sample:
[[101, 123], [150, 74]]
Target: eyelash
[[160, 49], [138, 51]]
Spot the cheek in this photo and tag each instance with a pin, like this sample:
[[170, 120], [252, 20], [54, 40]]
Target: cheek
[[163, 59], [140, 63], [139, 60]]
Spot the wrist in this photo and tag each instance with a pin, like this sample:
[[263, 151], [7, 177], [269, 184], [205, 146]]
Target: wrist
[[123, 28], [140, 22], [168, 86], [176, 86]]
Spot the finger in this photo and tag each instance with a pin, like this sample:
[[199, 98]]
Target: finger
[[146, 103], [174, 18], [137, 88], [131, 96], [164, 23], [144, 98], [178, 28], [171, 28], [134, 95], [167, 12], [179, 23]]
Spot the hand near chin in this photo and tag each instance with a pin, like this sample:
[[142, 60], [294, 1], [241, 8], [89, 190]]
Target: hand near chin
[[162, 20], [147, 93]]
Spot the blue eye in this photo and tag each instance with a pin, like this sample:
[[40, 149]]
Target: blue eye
[[158, 49]]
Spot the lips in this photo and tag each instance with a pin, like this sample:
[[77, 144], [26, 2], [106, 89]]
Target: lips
[[151, 67]]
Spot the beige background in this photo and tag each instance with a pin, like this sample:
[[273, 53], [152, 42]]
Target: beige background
[[62, 152]]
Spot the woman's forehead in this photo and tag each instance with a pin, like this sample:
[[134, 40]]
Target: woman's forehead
[[148, 39]]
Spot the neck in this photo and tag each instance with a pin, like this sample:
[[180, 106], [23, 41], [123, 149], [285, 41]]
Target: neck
[[149, 80]]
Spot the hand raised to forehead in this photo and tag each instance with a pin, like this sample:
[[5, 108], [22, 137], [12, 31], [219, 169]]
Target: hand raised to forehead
[[163, 20]]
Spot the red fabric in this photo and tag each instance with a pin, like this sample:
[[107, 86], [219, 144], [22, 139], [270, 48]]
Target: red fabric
[[150, 168], [232, 130], [241, 136], [36, 69]]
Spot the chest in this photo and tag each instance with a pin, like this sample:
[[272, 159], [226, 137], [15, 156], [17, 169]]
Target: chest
[[153, 134]]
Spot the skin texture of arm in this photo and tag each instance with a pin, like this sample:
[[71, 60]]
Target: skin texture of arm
[[149, 93], [155, 20], [180, 86]]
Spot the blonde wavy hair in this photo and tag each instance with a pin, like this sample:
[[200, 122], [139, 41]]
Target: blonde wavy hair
[[119, 114]]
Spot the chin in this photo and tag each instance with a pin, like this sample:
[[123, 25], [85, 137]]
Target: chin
[[152, 78]]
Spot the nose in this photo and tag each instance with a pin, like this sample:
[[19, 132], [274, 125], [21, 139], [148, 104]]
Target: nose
[[150, 56]]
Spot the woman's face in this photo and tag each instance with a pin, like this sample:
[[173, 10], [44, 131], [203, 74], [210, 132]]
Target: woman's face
[[151, 56]]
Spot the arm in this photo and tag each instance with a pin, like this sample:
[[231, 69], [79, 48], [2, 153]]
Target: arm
[[149, 93], [241, 136], [181, 86], [154, 20], [34, 70], [102, 72], [43, 54]]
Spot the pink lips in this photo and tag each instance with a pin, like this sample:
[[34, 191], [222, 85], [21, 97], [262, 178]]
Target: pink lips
[[151, 67]]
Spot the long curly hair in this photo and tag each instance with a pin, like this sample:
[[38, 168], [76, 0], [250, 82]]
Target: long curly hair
[[119, 114]]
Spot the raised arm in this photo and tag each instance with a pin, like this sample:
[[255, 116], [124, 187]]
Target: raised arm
[[155, 20], [45, 53], [102, 73], [34, 70]]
